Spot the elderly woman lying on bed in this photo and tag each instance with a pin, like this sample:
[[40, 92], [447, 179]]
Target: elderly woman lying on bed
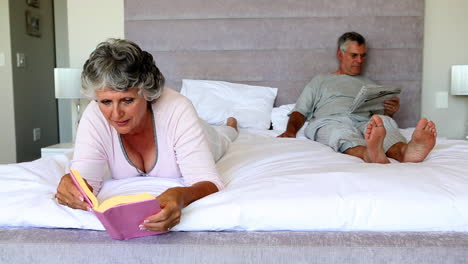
[[135, 127]]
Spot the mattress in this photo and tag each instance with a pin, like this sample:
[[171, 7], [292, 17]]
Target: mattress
[[274, 184]]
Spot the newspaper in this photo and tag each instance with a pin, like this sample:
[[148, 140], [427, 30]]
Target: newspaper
[[372, 97]]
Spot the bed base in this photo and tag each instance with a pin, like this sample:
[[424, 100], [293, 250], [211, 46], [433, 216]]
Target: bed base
[[37, 245]]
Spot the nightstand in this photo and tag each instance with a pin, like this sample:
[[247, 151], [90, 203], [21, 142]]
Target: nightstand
[[56, 149]]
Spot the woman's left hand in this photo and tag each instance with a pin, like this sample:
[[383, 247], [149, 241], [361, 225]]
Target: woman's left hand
[[171, 202]]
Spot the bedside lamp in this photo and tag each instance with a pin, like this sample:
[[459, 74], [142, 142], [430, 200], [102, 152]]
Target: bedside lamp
[[67, 86], [67, 83], [459, 80], [460, 85]]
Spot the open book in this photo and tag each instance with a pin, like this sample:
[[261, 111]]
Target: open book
[[372, 97], [120, 215]]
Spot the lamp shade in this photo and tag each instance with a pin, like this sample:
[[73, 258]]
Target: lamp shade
[[67, 83], [459, 80]]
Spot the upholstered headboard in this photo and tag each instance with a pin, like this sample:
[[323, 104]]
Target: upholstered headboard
[[280, 43]]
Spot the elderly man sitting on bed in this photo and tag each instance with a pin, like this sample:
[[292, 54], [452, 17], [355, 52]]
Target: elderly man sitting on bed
[[326, 101]]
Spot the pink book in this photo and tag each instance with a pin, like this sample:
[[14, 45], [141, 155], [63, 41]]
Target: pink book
[[120, 215]]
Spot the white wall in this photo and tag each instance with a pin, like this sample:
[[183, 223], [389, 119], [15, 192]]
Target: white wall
[[7, 116], [62, 60], [91, 22], [445, 44], [87, 24]]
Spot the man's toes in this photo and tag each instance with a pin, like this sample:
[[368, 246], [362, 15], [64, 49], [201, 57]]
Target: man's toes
[[377, 120], [422, 123]]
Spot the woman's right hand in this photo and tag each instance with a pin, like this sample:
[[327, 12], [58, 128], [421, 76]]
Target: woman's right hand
[[69, 195]]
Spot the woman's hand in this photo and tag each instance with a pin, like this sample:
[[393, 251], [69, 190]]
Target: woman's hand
[[69, 195], [171, 202]]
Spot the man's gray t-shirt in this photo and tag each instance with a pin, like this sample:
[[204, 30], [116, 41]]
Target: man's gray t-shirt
[[330, 94]]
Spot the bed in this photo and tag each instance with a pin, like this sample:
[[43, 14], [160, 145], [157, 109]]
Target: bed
[[286, 200]]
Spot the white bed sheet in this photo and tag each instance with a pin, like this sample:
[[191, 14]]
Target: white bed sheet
[[275, 184]]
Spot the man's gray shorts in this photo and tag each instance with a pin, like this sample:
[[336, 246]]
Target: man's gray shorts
[[344, 132]]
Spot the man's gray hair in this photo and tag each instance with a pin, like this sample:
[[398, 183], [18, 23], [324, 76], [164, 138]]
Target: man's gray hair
[[348, 37], [121, 65]]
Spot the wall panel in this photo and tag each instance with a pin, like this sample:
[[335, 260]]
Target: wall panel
[[282, 44]]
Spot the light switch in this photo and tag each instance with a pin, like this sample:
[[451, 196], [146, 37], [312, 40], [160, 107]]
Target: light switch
[[20, 60], [441, 100]]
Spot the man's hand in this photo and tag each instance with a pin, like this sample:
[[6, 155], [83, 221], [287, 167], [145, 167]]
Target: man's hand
[[295, 122], [391, 106], [67, 194], [287, 134]]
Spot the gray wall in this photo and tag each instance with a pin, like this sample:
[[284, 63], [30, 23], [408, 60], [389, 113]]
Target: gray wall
[[34, 98], [282, 44]]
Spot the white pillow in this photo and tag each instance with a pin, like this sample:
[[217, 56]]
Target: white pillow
[[279, 116], [215, 101]]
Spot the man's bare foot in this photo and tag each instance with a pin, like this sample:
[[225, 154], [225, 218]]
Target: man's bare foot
[[232, 122], [422, 141], [375, 134]]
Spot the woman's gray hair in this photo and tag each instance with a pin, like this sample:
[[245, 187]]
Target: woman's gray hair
[[347, 37], [120, 65]]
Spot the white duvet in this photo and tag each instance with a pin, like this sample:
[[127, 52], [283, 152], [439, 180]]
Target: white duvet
[[274, 184]]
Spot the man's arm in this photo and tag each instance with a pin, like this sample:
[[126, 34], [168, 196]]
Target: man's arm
[[295, 122]]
